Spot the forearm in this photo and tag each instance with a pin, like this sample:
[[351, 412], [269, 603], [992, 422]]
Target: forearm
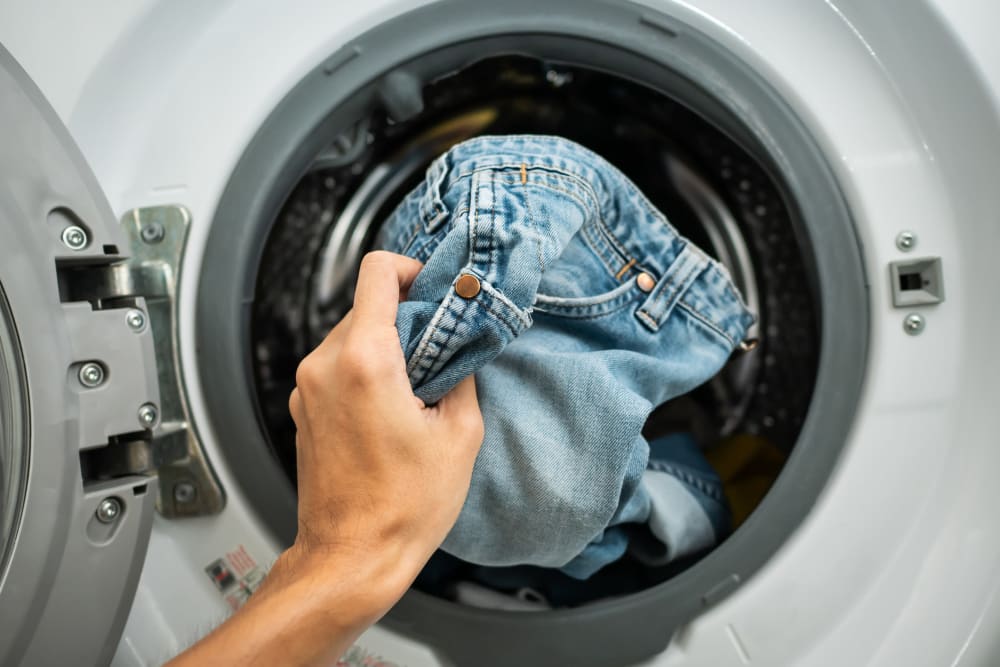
[[308, 611]]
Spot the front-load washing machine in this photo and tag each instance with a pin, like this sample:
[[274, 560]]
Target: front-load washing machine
[[839, 156]]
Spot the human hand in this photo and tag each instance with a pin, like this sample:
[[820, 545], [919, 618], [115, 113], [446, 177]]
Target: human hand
[[381, 480], [379, 473]]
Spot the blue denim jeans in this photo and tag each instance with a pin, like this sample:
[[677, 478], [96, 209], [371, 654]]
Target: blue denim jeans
[[579, 308]]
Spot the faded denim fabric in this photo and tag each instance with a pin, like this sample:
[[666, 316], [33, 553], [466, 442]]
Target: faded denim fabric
[[590, 311]]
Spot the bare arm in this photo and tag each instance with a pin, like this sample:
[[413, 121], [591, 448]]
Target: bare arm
[[381, 480]]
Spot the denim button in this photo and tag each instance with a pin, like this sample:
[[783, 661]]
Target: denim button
[[645, 282], [467, 286]]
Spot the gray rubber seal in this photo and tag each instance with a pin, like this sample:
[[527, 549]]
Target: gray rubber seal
[[615, 37]]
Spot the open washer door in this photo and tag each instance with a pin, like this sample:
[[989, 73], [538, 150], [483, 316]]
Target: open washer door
[[78, 397]]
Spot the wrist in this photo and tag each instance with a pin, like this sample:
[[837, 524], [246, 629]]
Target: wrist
[[361, 583]]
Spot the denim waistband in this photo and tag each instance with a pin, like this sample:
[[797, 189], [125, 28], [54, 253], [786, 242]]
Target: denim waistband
[[620, 224]]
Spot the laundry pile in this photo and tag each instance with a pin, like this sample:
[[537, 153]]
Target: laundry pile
[[578, 307]]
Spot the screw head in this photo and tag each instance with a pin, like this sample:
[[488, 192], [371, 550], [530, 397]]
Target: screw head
[[148, 414], [185, 492], [109, 510], [152, 233], [913, 324], [906, 241], [74, 237], [91, 374], [136, 320]]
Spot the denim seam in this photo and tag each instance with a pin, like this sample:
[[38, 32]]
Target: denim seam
[[706, 322], [647, 319], [432, 218], [420, 355], [548, 186], [499, 317], [426, 363], [596, 200], [429, 363], [554, 171], [414, 233], [519, 313], [587, 311], [593, 206], [594, 316], [474, 223], [531, 221], [600, 247], [422, 250], [696, 481], [584, 185]]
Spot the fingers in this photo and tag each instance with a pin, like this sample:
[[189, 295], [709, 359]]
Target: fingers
[[383, 278]]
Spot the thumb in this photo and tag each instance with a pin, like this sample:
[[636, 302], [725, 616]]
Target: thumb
[[460, 410]]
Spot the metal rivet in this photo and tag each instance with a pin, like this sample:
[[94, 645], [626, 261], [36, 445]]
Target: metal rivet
[[467, 286], [645, 282], [91, 374], [913, 324], [108, 510], [74, 237], [152, 233], [136, 320], [906, 241], [148, 415], [749, 344], [185, 492]]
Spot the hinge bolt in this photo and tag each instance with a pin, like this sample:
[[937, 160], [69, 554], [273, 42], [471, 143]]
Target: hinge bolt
[[74, 237], [91, 374], [148, 415], [184, 492], [913, 324], [906, 241], [136, 320], [152, 233], [109, 510]]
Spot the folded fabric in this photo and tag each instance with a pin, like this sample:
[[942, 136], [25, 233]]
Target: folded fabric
[[579, 308]]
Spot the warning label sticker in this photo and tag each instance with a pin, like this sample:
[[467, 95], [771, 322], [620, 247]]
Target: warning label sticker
[[237, 575], [357, 656]]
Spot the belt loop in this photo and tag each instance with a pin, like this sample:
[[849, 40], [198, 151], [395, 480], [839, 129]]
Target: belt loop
[[679, 276], [485, 219], [432, 208]]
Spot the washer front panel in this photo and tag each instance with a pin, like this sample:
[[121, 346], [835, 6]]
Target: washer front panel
[[905, 528]]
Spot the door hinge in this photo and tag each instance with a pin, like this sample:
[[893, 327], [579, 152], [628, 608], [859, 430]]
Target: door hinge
[[142, 288]]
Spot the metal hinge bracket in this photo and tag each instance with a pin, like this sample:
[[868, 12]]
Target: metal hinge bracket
[[145, 284]]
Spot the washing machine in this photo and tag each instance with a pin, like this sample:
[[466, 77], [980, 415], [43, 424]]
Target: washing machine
[[187, 188]]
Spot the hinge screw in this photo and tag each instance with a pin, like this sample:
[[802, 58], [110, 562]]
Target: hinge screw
[[184, 492], [906, 241], [91, 374], [74, 237], [148, 415], [136, 320], [913, 324], [152, 233], [109, 510]]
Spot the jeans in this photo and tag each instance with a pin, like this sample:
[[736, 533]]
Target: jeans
[[579, 308]]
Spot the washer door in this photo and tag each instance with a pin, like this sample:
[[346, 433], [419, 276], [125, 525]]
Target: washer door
[[78, 398]]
